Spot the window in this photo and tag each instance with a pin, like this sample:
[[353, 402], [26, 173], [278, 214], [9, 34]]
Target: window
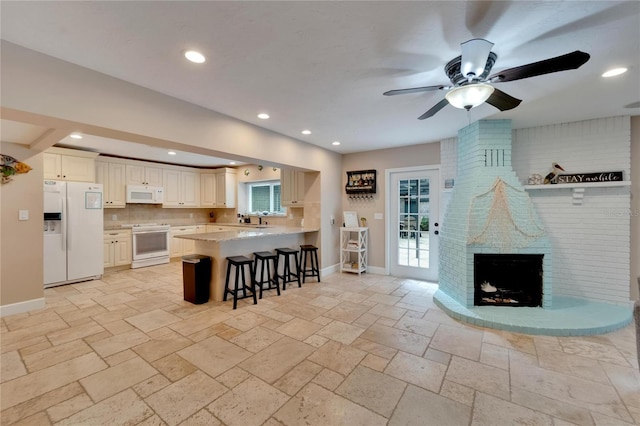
[[264, 196]]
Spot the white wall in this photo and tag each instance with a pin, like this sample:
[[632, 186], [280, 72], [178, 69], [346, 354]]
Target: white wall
[[591, 240]]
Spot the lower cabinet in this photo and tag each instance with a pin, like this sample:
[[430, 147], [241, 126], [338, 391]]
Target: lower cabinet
[[117, 248], [180, 247]]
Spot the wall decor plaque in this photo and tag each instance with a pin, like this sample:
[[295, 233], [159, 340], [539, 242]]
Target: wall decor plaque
[[590, 177]]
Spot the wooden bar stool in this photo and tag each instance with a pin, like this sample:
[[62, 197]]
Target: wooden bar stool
[[240, 262], [314, 271], [287, 275], [270, 280]]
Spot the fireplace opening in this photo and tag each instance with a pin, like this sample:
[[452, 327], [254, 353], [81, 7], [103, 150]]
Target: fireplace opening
[[508, 279]]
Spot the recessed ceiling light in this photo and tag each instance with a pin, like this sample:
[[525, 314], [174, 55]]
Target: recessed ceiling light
[[171, 153], [306, 132], [336, 143], [232, 163], [615, 71], [263, 116], [75, 136], [194, 56]]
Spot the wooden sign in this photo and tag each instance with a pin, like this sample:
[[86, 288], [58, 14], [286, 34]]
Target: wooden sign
[[590, 177]]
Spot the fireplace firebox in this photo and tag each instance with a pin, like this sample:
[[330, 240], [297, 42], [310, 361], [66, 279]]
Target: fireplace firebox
[[508, 279]]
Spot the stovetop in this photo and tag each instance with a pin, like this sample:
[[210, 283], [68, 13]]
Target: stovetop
[[138, 227]]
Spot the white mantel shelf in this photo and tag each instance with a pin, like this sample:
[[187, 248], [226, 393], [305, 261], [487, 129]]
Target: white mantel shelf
[[579, 185], [579, 188]]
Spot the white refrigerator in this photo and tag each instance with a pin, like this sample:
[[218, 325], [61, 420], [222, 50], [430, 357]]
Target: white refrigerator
[[73, 232]]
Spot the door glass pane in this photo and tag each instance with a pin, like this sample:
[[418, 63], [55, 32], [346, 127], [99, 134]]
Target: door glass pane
[[413, 223]]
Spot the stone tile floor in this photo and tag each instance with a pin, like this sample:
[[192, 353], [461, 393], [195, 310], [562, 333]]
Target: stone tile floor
[[352, 350]]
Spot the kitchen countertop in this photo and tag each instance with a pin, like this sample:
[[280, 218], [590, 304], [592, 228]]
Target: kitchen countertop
[[255, 231], [178, 225]]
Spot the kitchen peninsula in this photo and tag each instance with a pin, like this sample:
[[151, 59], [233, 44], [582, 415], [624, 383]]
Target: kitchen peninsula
[[244, 242]]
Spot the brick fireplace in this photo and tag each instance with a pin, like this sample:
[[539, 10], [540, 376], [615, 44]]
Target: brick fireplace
[[490, 214]]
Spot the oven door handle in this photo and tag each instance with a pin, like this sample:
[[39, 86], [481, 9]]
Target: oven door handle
[[150, 232]]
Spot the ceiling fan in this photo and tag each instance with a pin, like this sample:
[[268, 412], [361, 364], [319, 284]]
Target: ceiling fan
[[471, 84]]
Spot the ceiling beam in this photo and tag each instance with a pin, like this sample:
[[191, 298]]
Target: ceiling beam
[[47, 139]]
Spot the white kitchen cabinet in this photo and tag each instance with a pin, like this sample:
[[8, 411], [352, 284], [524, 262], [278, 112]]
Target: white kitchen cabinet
[[180, 247], [291, 188], [218, 188], [59, 165], [353, 249], [112, 177], [144, 175], [181, 189], [226, 188], [117, 248], [207, 190]]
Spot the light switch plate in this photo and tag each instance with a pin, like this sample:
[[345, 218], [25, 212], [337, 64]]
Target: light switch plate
[[377, 216], [23, 214]]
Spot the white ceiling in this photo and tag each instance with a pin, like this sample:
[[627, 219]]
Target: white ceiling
[[324, 65]]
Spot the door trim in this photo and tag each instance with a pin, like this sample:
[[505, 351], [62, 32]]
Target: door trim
[[387, 204]]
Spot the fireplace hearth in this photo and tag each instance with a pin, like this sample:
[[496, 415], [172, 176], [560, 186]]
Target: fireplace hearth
[[508, 279]]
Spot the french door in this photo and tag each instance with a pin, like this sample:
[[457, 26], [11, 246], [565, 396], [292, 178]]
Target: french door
[[413, 223]]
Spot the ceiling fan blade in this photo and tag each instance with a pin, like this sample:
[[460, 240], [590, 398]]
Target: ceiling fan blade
[[474, 56], [502, 101], [414, 90], [570, 61], [437, 107]]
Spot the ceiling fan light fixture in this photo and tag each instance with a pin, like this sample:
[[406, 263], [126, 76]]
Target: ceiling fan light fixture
[[469, 96]]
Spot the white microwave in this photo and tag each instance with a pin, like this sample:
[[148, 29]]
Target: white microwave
[[141, 194]]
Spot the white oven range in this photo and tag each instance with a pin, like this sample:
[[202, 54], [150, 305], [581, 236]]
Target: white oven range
[[150, 244]]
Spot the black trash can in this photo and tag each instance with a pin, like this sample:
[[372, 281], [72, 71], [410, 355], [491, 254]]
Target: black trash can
[[196, 274]]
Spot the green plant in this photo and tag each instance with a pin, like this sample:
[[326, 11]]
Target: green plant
[[424, 224]]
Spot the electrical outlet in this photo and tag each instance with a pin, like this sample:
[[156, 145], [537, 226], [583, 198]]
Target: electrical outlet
[[190, 215], [114, 217], [23, 215], [377, 216]]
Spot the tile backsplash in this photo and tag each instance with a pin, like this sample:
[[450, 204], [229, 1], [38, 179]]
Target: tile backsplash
[[145, 213]]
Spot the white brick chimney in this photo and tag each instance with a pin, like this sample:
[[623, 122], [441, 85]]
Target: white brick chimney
[[489, 212]]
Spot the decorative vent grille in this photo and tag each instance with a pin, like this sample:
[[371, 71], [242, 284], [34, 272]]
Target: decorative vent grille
[[494, 157]]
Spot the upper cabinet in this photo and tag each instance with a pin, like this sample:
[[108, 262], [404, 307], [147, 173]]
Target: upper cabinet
[[226, 184], [291, 188], [207, 190], [218, 188], [143, 175], [112, 177], [69, 164], [181, 189]]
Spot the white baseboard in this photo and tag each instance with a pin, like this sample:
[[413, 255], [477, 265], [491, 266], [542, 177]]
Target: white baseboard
[[330, 270], [21, 307], [336, 268], [376, 270]]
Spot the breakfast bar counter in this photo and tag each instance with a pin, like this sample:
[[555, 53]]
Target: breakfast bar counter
[[244, 242]]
